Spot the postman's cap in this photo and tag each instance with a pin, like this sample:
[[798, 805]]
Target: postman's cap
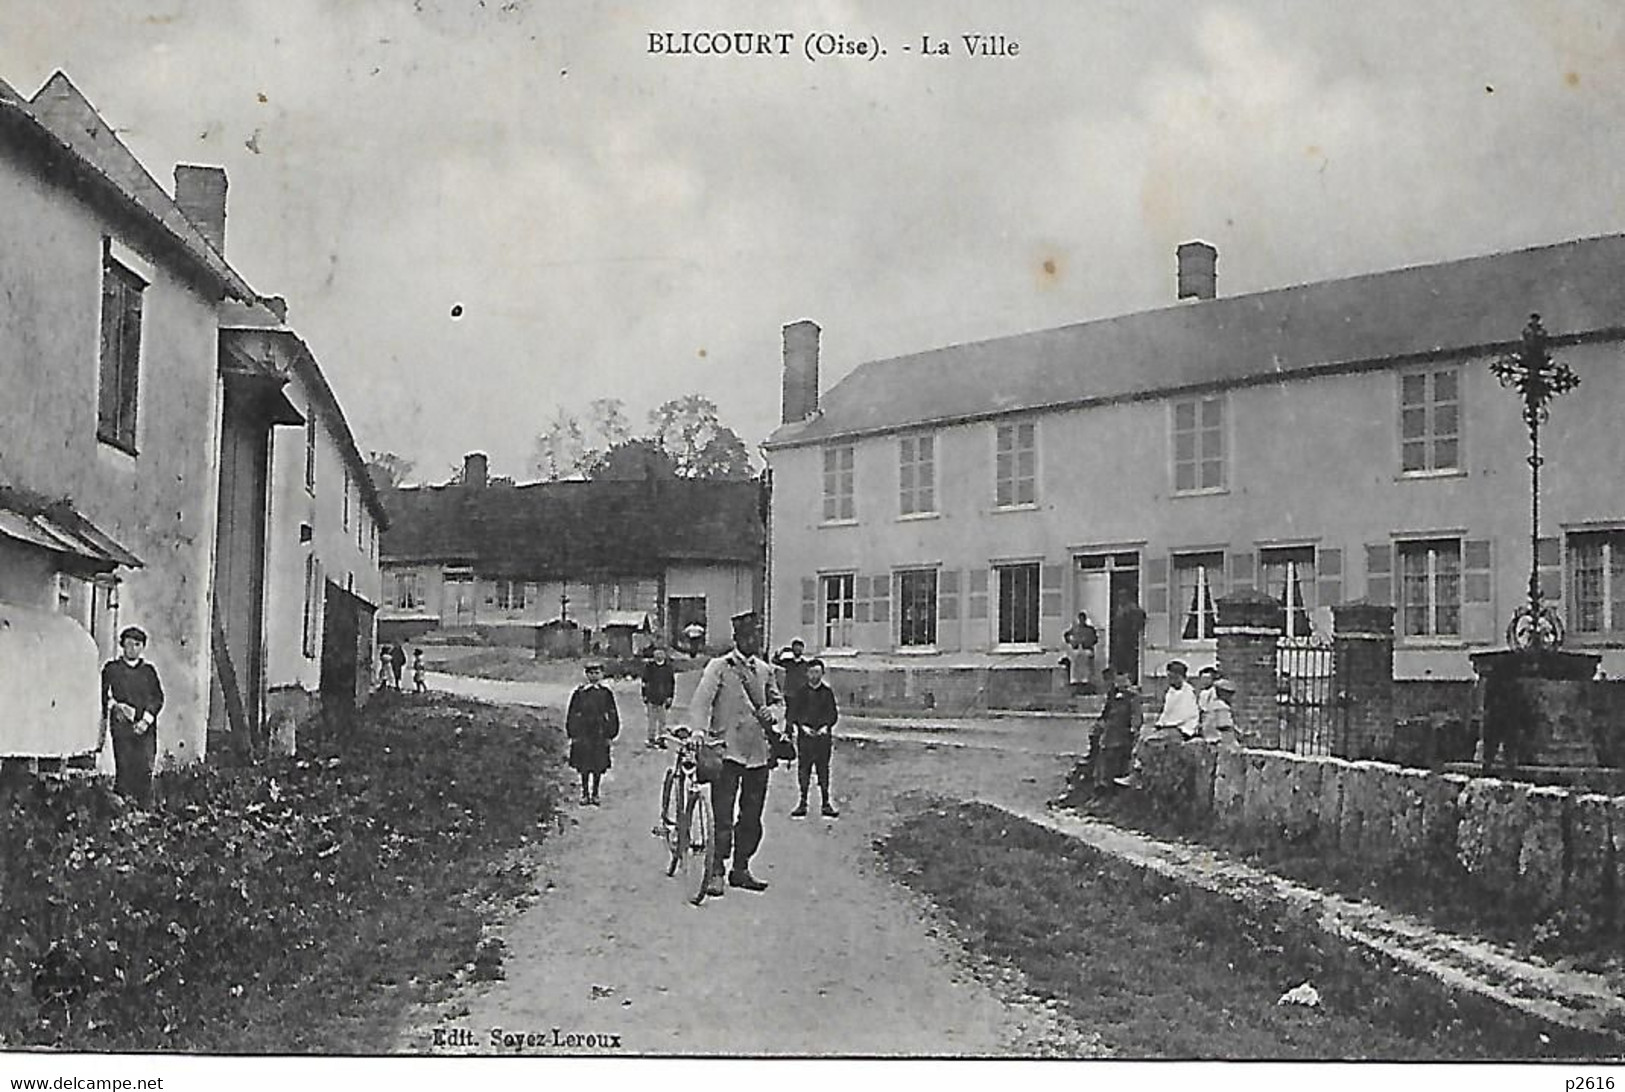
[[1224, 684], [745, 622]]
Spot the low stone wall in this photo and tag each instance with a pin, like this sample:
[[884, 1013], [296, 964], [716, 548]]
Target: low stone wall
[[947, 691], [1541, 848]]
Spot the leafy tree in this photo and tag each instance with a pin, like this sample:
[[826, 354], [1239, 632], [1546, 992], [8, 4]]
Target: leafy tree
[[634, 460], [606, 423], [387, 469], [700, 445], [561, 448]]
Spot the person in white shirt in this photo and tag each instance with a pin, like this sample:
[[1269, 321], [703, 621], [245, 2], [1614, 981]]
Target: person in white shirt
[[1180, 718], [1204, 687]]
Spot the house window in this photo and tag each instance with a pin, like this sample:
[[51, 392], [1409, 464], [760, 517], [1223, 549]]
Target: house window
[[917, 608], [1288, 576], [839, 602], [1199, 444], [509, 594], [838, 500], [408, 591], [313, 605], [1430, 421], [1197, 583], [118, 394], [916, 475], [1597, 588], [1018, 603], [310, 450], [1015, 466], [1430, 588]]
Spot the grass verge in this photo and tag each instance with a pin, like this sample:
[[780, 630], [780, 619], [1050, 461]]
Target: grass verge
[[1165, 971], [296, 907], [1444, 895]]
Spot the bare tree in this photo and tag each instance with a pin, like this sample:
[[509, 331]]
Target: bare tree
[[561, 448], [387, 469]]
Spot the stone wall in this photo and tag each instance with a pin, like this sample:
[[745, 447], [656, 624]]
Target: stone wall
[[1541, 848]]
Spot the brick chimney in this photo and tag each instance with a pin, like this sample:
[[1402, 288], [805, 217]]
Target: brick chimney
[[476, 470], [1198, 272], [201, 194], [800, 371]]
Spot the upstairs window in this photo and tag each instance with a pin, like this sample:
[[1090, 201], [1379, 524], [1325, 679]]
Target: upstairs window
[[118, 391], [1199, 444], [1430, 421], [310, 450], [839, 505], [1015, 466], [916, 475]]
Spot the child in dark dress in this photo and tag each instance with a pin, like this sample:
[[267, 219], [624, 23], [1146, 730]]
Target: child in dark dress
[[591, 723]]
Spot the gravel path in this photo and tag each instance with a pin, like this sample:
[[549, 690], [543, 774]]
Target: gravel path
[[835, 958]]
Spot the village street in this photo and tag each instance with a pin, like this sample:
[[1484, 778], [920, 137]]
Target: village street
[[834, 958]]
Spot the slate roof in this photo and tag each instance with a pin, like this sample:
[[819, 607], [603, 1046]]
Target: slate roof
[[549, 530], [1375, 320], [65, 126]]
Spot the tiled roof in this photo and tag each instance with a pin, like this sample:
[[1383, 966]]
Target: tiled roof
[[1578, 288], [549, 530], [62, 113]]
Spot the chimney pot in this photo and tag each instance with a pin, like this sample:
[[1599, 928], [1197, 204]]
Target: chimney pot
[[1198, 271], [475, 470], [201, 194], [800, 371]]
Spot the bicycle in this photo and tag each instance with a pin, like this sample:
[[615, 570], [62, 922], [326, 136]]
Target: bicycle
[[686, 822]]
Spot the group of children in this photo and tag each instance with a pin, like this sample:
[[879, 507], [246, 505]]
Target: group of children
[[1200, 711], [391, 661], [593, 722]]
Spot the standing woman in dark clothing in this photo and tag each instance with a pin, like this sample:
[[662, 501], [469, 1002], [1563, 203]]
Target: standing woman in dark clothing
[[132, 698], [591, 723]]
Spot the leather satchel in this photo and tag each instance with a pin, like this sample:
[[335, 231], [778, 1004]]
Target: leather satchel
[[707, 762], [781, 745]]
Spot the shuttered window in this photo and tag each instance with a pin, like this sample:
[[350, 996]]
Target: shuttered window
[[118, 393]]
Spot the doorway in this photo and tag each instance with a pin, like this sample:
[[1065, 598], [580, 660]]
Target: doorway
[[1107, 586]]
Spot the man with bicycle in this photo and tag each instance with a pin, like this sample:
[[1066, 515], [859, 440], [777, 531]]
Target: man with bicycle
[[737, 704]]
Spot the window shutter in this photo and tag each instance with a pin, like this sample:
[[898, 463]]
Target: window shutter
[[1154, 601], [977, 608], [1241, 571], [1549, 562], [1049, 586], [881, 611], [1329, 564], [1477, 592], [809, 602], [1379, 573], [948, 633], [129, 364]]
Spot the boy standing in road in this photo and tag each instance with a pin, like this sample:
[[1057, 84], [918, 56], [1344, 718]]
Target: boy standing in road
[[659, 686], [813, 711], [591, 723], [132, 698], [1113, 744]]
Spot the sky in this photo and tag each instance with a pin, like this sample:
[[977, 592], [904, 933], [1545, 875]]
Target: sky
[[613, 222]]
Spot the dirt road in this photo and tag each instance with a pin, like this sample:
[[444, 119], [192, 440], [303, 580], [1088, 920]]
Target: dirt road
[[835, 958]]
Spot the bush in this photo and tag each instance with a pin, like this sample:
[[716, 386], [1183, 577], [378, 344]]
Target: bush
[[122, 928]]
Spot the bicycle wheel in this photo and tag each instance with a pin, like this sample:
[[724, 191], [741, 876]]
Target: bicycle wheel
[[672, 793], [700, 832]]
